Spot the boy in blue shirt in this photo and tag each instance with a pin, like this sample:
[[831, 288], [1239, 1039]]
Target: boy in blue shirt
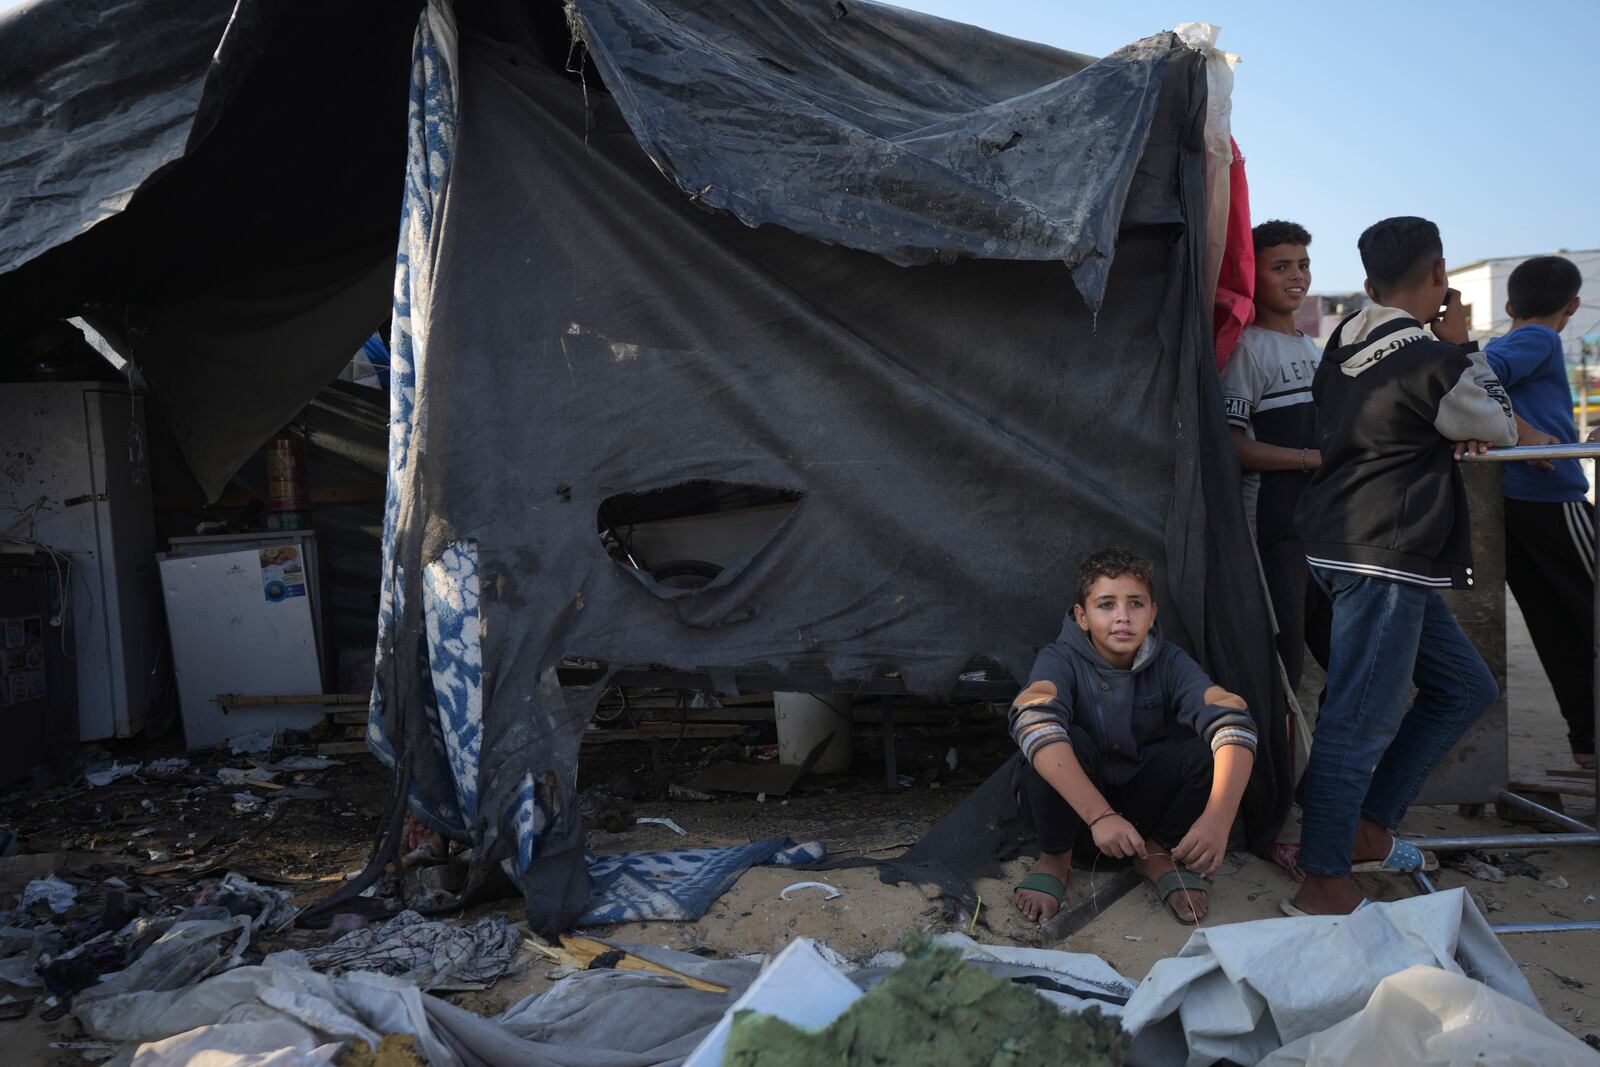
[[1549, 523]]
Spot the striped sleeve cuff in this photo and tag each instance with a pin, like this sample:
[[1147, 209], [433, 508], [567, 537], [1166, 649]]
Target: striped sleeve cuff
[[1233, 735], [1036, 736]]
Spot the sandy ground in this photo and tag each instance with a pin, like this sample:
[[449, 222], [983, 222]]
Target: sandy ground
[[1136, 931], [868, 916]]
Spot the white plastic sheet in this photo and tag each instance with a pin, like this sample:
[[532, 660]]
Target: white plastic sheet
[[1242, 991], [1427, 1017]]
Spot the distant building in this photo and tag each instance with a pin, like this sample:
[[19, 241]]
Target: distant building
[[1321, 312], [1483, 289]]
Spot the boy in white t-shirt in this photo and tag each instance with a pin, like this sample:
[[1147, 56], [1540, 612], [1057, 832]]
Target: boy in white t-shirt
[[1266, 386]]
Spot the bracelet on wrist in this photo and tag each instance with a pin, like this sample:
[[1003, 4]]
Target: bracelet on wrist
[[1103, 815]]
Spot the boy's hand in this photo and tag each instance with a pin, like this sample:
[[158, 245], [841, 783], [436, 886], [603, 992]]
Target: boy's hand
[[1115, 836], [1451, 323], [1204, 846], [1472, 449], [1528, 434]]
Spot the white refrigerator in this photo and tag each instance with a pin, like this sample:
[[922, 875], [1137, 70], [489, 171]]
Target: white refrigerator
[[243, 612], [75, 478]]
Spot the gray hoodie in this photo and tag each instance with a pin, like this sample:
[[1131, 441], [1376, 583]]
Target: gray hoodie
[[1131, 714]]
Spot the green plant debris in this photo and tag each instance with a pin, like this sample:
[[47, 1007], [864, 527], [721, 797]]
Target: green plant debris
[[935, 1009]]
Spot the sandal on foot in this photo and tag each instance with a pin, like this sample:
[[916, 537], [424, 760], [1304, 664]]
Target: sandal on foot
[[1585, 760], [1403, 858], [1289, 909], [1048, 884], [1176, 881]]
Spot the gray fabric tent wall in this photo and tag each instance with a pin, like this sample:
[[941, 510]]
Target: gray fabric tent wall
[[963, 433]]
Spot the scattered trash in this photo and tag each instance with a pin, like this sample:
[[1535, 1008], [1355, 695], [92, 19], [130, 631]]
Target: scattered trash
[[297, 764], [245, 803], [683, 792], [587, 954], [668, 823], [171, 765], [1589, 899], [761, 798], [247, 744], [829, 892], [11, 1008], [246, 776], [89, 1050], [425, 952], [1132, 937], [1558, 883], [1479, 869], [346, 922], [104, 776], [52, 891], [834, 958]]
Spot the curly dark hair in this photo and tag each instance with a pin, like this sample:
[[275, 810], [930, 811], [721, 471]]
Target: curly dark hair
[[1542, 286], [1114, 563], [1277, 232]]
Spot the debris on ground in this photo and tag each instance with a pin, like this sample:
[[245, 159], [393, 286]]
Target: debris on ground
[[934, 999], [425, 952]]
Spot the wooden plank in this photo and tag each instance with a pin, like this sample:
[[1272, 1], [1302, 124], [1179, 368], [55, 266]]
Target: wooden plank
[[343, 748], [321, 495], [235, 700], [349, 718], [664, 731], [1565, 788], [579, 952], [1068, 921]]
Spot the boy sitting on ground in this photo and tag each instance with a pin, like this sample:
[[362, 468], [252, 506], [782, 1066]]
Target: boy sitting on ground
[[1128, 749]]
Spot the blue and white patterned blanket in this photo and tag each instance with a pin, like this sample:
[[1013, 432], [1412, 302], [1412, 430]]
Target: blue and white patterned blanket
[[680, 885]]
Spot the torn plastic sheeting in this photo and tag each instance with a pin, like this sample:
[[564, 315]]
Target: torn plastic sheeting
[[1426, 1017], [574, 1024], [902, 156], [426, 952], [1240, 991], [52, 891], [185, 954]]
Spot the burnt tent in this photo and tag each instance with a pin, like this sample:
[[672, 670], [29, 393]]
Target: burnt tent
[[918, 313]]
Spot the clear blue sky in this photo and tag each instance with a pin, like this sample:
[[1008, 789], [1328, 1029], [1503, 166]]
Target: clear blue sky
[[1478, 115]]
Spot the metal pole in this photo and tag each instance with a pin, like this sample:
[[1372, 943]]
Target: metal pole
[[1535, 808], [1462, 844], [1594, 694], [1544, 928], [1522, 452]]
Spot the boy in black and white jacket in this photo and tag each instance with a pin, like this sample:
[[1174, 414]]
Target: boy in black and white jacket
[[1385, 526]]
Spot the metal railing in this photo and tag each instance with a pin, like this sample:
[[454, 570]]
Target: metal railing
[[1574, 831]]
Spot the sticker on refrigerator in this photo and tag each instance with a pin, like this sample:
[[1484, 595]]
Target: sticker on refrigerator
[[22, 675], [282, 574]]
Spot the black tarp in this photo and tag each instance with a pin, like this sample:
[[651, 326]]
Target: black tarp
[[963, 433], [215, 187], [963, 430]]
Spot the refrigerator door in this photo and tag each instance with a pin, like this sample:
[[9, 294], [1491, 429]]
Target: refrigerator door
[[125, 529], [241, 624]]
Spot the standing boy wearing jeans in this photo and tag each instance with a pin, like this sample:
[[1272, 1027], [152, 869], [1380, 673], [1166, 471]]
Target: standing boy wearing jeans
[[1385, 526]]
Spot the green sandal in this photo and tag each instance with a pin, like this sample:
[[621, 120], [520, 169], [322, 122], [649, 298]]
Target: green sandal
[[1048, 884], [1172, 882]]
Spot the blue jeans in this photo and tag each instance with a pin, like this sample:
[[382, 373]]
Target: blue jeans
[[1370, 756]]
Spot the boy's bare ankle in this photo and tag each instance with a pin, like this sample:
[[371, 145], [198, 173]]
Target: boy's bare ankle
[[1323, 894]]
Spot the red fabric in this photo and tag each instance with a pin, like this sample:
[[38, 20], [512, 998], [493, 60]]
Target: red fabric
[[1234, 307]]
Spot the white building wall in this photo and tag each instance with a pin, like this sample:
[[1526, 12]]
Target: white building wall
[[1484, 287]]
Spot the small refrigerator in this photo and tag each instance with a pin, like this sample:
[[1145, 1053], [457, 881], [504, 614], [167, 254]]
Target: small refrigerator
[[244, 616]]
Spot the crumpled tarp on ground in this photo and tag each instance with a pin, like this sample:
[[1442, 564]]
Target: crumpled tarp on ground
[[1240, 991], [1427, 1017], [666, 344], [680, 885], [425, 952], [602, 1018]]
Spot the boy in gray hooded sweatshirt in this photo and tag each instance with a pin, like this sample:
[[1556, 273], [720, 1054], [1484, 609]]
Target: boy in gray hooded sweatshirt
[[1128, 749]]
